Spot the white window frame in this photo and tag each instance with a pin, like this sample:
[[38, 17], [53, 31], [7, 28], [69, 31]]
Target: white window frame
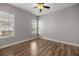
[[34, 26], [7, 22]]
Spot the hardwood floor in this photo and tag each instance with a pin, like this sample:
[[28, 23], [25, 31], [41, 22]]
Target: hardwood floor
[[40, 47]]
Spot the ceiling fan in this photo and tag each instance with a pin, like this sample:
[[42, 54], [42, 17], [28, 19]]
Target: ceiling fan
[[40, 6]]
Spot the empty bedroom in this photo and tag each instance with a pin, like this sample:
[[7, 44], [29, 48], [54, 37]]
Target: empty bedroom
[[39, 29]]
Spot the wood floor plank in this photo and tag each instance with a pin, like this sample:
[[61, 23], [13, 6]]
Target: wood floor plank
[[40, 47]]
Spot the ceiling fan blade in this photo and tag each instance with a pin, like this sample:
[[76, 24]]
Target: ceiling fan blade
[[46, 7]]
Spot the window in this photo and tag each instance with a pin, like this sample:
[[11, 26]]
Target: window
[[34, 26], [6, 24]]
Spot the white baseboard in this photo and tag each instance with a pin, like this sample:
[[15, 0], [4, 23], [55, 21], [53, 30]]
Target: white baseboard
[[73, 44], [4, 46]]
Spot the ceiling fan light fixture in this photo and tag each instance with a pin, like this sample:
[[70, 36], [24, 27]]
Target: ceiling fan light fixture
[[40, 5]]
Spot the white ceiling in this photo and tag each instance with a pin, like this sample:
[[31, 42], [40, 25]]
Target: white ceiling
[[53, 7]]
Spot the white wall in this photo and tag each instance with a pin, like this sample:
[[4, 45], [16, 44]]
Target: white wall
[[61, 25], [22, 24]]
